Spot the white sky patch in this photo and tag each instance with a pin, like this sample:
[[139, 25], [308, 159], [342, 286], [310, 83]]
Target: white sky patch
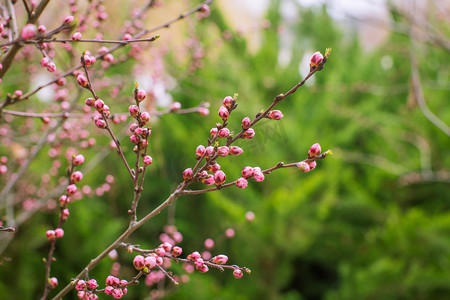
[[46, 94]]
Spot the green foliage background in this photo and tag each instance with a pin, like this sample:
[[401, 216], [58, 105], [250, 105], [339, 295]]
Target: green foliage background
[[351, 229]]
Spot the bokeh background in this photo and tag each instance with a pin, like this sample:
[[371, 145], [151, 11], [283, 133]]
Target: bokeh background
[[370, 222]]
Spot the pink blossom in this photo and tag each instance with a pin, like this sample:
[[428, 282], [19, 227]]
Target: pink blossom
[[258, 176], [92, 284], [71, 189], [241, 183], [82, 80], [209, 151], [176, 251], [59, 233], [28, 31], [314, 150], [140, 95], [51, 235], [224, 132], [316, 59], [78, 160], [139, 262], [249, 134], [112, 280], [223, 151], [160, 251], [76, 176], [219, 177], [68, 19], [213, 131], [237, 273], [228, 101], [303, 166], [145, 117], [235, 150], [175, 106], [76, 36], [150, 262], [147, 160], [246, 122], [53, 282], [229, 233], [200, 151], [220, 259], [249, 216], [134, 110], [275, 115], [208, 180], [247, 172], [209, 243], [187, 174], [224, 113]]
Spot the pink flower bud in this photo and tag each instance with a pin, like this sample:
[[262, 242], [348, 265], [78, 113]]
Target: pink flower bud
[[314, 150], [275, 115], [82, 80], [145, 117], [76, 36], [247, 172], [175, 106], [228, 101], [316, 59], [51, 67], [229, 233], [312, 165], [65, 214], [100, 123], [143, 144], [150, 262], [89, 101], [80, 285], [194, 256], [117, 293], [166, 246], [76, 176], [246, 122], [71, 189], [235, 150], [209, 243], [258, 176], [127, 37], [159, 260], [209, 180], [53, 282], [42, 29], [108, 291], [214, 168], [92, 284], [68, 19], [223, 113], [219, 177], [160, 251], [112, 280], [134, 110], [51, 235], [202, 268], [87, 60], [140, 95], [237, 273], [99, 105], [200, 151], [139, 262], [187, 174], [249, 216], [45, 61], [220, 259], [213, 131], [204, 12], [28, 31], [249, 134], [59, 233], [303, 166], [209, 151], [241, 183], [204, 111], [78, 160], [223, 151], [224, 132], [109, 58], [63, 200], [176, 251], [147, 160]]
